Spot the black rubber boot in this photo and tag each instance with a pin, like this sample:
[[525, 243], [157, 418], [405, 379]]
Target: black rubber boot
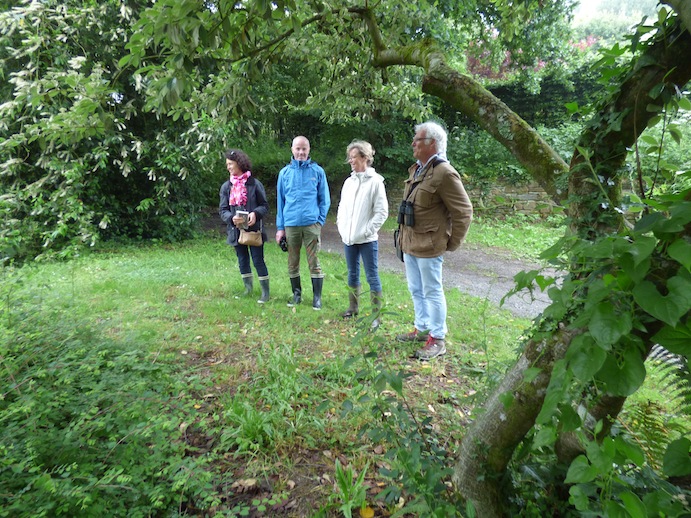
[[353, 302], [317, 285], [248, 284], [264, 284], [376, 297], [297, 291]]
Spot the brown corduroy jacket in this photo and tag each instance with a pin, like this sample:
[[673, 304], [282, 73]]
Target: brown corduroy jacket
[[442, 210]]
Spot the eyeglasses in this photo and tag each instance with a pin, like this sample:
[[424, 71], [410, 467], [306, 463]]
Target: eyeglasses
[[419, 139]]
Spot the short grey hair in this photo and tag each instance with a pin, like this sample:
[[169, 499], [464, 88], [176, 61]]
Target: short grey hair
[[364, 148], [434, 131]]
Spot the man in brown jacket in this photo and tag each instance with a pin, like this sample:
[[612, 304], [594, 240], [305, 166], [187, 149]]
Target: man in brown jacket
[[434, 217]]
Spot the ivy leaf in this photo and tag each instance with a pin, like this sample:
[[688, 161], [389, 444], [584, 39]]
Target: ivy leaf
[[635, 271], [507, 399], [631, 452], [624, 375], [676, 340], [585, 357], [556, 389], [545, 437], [569, 418], [531, 373], [572, 108], [680, 251], [642, 248], [634, 506], [677, 459], [580, 471], [668, 308], [607, 326]]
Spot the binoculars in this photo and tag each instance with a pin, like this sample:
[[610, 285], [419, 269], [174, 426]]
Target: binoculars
[[283, 244], [406, 214]]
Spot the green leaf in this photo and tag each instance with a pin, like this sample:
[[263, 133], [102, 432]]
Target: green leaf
[[650, 140], [642, 248], [396, 382], [580, 471], [569, 418], [578, 498], [622, 377], [676, 340], [635, 272], [677, 459], [506, 399], [630, 452], [680, 251], [676, 135], [585, 357], [530, 374], [555, 392], [607, 326], [546, 436], [669, 308], [572, 108]]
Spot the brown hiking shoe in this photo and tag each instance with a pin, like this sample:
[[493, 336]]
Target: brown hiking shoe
[[413, 336], [433, 348]]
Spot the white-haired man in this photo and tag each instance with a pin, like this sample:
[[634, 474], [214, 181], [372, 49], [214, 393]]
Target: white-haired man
[[434, 218]]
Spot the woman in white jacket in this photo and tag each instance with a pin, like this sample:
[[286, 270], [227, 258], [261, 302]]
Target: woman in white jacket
[[362, 210]]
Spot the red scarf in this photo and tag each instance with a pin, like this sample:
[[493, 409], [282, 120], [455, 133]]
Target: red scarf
[[238, 190]]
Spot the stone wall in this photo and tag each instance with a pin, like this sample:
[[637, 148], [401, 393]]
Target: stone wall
[[504, 200], [501, 200]]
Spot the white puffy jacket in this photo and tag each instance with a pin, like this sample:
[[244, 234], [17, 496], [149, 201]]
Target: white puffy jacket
[[363, 208]]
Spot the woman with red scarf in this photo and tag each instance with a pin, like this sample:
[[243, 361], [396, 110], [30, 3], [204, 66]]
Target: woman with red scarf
[[243, 192]]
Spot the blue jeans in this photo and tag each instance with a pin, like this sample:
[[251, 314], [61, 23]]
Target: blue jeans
[[424, 276], [370, 256], [243, 252]]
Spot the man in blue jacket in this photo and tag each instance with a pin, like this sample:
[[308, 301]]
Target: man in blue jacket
[[303, 200]]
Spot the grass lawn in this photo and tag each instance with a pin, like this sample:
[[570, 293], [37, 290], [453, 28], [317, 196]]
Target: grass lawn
[[139, 381]]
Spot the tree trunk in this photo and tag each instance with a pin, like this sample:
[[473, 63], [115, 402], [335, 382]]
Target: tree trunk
[[491, 440]]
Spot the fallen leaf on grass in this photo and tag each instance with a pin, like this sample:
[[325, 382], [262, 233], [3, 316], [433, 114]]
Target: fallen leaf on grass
[[244, 485]]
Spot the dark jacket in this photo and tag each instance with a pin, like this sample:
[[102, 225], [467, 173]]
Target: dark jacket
[[256, 202], [442, 211]]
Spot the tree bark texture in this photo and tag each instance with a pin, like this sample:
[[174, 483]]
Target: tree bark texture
[[491, 440]]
